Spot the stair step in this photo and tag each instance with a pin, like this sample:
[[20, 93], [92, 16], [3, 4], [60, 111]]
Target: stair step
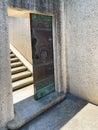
[[16, 64], [23, 93], [22, 83], [21, 75], [12, 55], [18, 69], [11, 52], [14, 60]]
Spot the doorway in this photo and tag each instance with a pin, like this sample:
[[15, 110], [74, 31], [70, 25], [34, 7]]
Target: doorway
[[42, 54], [41, 49], [21, 54]]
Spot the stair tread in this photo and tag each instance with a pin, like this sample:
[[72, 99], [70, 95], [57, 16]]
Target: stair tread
[[18, 69], [22, 83], [11, 52], [14, 59], [16, 64], [12, 55], [21, 75]]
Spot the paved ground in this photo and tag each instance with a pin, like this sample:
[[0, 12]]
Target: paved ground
[[58, 116], [86, 119]]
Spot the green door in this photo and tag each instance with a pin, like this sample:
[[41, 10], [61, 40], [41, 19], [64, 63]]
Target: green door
[[42, 54]]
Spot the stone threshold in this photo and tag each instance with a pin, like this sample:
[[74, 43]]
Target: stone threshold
[[30, 108]]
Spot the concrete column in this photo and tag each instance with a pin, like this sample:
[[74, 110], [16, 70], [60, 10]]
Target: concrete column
[[63, 41], [60, 47], [6, 103]]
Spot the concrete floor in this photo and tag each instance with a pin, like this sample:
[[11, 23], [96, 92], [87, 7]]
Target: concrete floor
[[57, 117], [86, 119], [23, 93]]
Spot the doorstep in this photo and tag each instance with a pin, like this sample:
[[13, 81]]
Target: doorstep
[[30, 108]]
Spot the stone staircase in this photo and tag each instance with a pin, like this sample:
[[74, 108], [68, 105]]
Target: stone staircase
[[21, 76]]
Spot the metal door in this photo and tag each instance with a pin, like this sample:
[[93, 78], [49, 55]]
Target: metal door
[[42, 54]]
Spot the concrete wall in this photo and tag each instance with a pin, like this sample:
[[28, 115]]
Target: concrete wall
[[19, 34], [82, 39], [6, 103]]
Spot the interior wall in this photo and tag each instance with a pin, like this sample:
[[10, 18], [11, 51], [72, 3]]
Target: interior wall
[[20, 35], [82, 46]]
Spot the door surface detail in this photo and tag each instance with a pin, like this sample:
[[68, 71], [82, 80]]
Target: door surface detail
[[42, 54]]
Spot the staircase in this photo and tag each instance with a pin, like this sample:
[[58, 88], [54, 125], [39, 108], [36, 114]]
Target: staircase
[[22, 79]]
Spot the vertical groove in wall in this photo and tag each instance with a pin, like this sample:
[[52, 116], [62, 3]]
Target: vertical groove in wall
[[62, 20], [67, 39]]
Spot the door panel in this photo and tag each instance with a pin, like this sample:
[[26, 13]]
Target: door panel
[[42, 51]]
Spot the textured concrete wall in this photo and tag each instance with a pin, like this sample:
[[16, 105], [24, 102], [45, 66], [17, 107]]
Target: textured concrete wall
[[45, 6], [6, 104], [54, 8], [82, 38], [19, 34]]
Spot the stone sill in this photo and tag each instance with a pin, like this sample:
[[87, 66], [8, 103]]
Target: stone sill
[[30, 108]]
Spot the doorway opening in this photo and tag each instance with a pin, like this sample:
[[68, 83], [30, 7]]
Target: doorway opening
[[31, 42], [21, 54]]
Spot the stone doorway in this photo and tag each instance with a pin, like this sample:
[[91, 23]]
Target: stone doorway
[[21, 54], [22, 45]]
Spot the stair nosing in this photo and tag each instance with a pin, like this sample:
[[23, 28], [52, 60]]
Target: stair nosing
[[22, 83], [14, 60], [18, 69], [16, 64], [20, 77]]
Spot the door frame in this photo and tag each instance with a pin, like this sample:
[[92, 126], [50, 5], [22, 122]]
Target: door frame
[[53, 44], [59, 47]]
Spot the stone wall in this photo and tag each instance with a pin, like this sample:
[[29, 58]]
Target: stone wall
[[20, 37], [82, 47], [6, 103]]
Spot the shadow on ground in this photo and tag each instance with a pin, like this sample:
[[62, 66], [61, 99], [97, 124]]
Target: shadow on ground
[[56, 117]]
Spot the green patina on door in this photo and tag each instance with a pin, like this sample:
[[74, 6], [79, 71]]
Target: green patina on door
[[42, 51]]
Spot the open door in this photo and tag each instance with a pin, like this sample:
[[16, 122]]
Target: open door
[[42, 54]]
